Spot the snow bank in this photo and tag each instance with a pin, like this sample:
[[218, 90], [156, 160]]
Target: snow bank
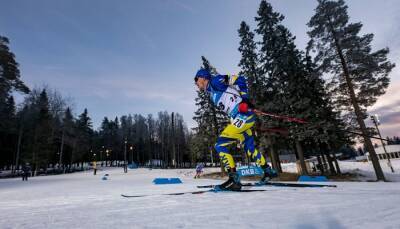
[[365, 170], [82, 200]]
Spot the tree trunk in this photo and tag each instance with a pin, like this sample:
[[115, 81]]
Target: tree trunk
[[357, 110], [34, 153], [278, 160], [326, 151], [320, 165], [330, 162], [324, 162], [73, 152], [18, 148], [336, 164], [273, 154], [300, 153], [334, 159], [174, 161], [61, 148]]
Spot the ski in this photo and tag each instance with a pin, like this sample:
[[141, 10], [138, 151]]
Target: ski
[[190, 192], [166, 194], [279, 184], [206, 186], [283, 184]]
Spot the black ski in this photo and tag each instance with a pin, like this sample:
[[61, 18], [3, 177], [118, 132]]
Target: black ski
[[206, 186], [283, 184], [279, 184], [190, 192], [166, 194]]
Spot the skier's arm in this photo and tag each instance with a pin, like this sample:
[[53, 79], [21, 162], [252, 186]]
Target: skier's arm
[[241, 82]]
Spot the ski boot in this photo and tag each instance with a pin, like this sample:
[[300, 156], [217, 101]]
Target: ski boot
[[269, 173], [232, 184]]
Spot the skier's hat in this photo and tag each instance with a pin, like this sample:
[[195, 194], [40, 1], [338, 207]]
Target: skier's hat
[[202, 73]]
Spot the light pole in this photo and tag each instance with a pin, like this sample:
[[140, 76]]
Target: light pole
[[131, 149], [107, 156], [125, 165], [94, 163], [101, 154], [375, 120]]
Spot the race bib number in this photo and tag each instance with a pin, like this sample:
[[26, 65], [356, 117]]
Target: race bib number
[[229, 100], [239, 121]]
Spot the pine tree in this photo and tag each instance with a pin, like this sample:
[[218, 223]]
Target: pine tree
[[360, 76], [249, 62], [83, 143], [292, 86], [68, 134], [105, 140], [280, 68], [8, 131], [9, 71], [9, 81], [151, 124], [43, 139]]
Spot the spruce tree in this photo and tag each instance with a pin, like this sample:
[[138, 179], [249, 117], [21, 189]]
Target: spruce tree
[[249, 62], [292, 86], [8, 131], [279, 68], [359, 76], [43, 139], [83, 143], [68, 134]]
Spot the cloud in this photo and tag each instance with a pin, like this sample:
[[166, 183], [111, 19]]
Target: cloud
[[388, 109], [390, 100], [390, 129]]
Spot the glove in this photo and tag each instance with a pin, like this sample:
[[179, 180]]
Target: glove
[[245, 105]]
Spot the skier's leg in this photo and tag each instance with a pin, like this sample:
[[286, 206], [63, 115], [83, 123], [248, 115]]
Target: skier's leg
[[256, 155], [229, 136], [222, 150], [251, 150]]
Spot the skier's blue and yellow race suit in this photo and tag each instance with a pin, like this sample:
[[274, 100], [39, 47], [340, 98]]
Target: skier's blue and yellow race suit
[[227, 91]]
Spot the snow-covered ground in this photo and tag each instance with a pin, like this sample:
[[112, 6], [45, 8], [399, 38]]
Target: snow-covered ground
[[82, 200], [364, 169]]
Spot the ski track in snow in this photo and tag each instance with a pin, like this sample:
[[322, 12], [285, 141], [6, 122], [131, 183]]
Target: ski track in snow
[[82, 200]]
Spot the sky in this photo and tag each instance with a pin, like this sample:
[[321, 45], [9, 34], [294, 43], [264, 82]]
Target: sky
[[126, 57]]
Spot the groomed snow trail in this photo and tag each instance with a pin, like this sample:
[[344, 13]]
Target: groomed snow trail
[[82, 200]]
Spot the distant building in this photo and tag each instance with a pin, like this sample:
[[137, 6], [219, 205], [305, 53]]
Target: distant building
[[392, 150]]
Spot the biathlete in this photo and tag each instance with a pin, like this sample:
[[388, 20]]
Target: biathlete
[[229, 93]]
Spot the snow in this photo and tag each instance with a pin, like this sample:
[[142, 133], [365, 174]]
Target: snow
[[363, 169], [82, 200]]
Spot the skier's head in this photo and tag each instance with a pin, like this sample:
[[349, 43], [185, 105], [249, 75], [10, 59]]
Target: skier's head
[[201, 79]]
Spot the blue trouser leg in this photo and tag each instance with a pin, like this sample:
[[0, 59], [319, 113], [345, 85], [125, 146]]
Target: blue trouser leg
[[250, 149], [222, 150]]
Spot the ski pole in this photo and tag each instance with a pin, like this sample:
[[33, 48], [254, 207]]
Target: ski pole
[[290, 119]]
